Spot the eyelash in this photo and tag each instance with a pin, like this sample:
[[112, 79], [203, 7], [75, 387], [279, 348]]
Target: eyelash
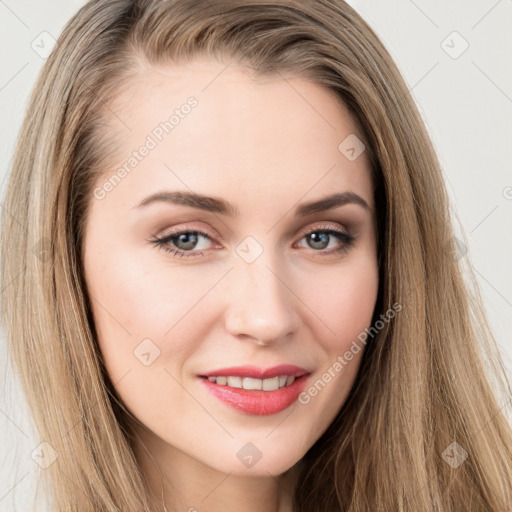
[[162, 243]]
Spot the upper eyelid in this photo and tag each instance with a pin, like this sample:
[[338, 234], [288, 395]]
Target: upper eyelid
[[324, 228], [178, 231]]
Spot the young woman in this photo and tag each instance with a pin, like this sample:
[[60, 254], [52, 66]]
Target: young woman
[[236, 283]]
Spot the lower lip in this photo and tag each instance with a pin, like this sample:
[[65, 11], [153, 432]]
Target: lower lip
[[257, 402]]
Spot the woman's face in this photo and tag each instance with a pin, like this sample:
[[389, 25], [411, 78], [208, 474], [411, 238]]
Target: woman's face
[[265, 273]]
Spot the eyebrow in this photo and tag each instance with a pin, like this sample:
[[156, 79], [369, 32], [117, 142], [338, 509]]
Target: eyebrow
[[217, 205]]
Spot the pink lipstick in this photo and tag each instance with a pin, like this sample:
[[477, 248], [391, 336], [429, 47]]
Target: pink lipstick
[[258, 391]]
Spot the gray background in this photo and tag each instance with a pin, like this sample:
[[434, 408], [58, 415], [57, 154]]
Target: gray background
[[464, 97]]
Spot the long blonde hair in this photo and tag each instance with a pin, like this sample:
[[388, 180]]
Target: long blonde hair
[[426, 379]]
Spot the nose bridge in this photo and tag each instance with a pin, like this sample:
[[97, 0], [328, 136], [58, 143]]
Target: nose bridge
[[260, 304]]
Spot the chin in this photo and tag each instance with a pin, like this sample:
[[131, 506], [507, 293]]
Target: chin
[[250, 461]]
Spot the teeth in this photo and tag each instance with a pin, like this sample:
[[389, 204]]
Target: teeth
[[270, 384], [290, 380], [249, 383], [235, 382]]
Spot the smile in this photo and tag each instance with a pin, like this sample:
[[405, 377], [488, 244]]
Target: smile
[[257, 391]]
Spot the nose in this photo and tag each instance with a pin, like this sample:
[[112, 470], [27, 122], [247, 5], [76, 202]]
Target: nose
[[261, 306]]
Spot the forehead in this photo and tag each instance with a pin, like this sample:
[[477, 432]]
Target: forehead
[[275, 136]]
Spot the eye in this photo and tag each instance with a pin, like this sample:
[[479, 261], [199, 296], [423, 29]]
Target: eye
[[184, 243], [322, 238]]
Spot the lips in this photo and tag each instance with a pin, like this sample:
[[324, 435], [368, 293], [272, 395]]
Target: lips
[[258, 391]]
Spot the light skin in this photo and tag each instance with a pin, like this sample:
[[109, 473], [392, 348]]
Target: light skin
[[266, 147]]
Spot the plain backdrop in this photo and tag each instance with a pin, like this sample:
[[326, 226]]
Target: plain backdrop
[[455, 58]]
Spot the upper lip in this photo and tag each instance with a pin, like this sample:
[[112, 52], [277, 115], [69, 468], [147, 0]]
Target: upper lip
[[256, 372]]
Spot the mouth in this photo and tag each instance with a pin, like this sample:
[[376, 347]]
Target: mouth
[[257, 391]]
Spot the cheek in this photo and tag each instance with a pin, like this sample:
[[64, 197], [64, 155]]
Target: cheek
[[136, 299], [344, 300], [145, 317]]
